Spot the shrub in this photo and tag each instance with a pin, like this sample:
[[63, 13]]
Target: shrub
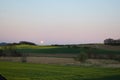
[[24, 58], [1, 52], [10, 51], [82, 57]]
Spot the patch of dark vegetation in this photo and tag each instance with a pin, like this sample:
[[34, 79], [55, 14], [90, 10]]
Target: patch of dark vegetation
[[112, 42], [8, 51], [95, 53], [20, 43], [2, 77], [26, 42], [82, 57]]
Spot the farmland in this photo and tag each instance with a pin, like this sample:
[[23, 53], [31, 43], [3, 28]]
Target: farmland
[[58, 63], [68, 51], [100, 49], [73, 49], [28, 71]]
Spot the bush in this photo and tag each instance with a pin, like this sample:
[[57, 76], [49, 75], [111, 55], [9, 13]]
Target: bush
[[24, 58], [9, 51], [82, 57]]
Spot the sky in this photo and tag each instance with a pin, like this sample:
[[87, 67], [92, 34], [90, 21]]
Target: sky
[[59, 21]]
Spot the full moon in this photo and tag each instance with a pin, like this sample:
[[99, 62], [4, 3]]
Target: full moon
[[41, 42]]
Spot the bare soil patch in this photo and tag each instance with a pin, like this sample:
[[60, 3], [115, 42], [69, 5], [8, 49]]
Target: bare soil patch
[[42, 60]]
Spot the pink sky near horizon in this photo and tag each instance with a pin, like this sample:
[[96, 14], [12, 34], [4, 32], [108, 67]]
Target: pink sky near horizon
[[59, 22]]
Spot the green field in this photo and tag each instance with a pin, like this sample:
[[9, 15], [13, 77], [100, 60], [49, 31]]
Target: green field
[[27, 71], [61, 49]]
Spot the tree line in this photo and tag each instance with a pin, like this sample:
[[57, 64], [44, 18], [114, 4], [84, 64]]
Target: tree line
[[111, 41], [21, 42]]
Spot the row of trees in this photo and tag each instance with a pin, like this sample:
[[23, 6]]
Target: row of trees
[[90, 53], [112, 42], [21, 42], [9, 51]]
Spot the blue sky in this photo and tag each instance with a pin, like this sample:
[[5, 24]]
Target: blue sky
[[59, 21]]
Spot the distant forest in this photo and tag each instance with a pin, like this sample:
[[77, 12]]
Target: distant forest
[[111, 41], [21, 42]]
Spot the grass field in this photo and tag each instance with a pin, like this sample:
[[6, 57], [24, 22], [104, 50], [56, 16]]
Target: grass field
[[100, 49], [27, 71]]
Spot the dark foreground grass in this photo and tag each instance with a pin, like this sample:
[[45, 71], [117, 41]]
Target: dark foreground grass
[[27, 71]]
